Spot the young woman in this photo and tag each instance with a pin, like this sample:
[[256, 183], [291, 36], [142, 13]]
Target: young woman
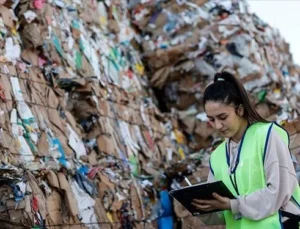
[[254, 162]]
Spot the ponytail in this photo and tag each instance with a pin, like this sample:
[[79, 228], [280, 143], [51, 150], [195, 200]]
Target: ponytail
[[227, 89]]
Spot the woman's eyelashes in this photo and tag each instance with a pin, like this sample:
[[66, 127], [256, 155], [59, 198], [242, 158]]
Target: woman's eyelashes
[[223, 117]]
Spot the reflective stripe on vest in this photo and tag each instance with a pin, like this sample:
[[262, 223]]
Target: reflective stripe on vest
[[249, 172]]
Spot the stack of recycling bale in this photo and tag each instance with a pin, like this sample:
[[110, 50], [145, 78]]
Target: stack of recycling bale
[[82, 143], [186, 42]]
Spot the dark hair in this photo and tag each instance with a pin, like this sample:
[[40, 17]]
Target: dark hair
[[229, 90]]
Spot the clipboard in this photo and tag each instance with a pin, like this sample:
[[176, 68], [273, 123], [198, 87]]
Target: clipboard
[[186, 195]]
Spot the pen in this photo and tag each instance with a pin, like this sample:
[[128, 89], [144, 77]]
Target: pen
[[187, 181]]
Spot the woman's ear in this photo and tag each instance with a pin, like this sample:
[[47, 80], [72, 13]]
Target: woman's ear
[[240, 110]]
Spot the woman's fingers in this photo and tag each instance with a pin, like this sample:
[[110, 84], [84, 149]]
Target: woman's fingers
[[202, 201], [218, 203], [218, 197], [202, 207]]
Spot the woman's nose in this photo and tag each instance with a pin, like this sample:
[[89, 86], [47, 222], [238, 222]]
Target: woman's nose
[[218, 125]]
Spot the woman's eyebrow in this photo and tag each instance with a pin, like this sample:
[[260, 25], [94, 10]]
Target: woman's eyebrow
[[219, 115]]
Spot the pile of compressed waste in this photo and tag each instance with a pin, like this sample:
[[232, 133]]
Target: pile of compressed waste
[[101, 112]]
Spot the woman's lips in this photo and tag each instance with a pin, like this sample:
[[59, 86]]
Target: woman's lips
[[224, 131]]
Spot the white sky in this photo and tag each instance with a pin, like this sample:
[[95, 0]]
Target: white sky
[[284, 15]]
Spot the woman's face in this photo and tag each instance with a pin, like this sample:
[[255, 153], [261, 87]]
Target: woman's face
[[224, 118]]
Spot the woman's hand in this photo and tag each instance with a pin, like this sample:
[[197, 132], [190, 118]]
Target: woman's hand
[[222, 203]]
